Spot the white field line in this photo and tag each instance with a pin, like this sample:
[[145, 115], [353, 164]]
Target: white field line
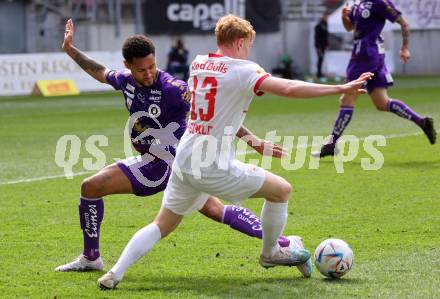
[[43, 178]]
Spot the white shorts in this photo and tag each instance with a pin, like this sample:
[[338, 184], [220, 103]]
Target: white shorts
[[186, 195]]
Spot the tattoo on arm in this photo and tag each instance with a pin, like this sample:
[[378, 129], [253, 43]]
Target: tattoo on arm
[[89, 65], [405, 31]]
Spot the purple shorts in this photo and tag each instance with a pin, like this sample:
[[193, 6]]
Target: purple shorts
[[376, 65], [146, 178]]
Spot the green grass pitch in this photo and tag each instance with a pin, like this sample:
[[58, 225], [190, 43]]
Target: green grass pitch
[[391, 216]]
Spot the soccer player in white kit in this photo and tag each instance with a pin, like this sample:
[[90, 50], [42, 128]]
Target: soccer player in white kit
[[222, 86]]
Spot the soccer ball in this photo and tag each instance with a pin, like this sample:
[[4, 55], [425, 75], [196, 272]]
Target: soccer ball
[[333, 258]]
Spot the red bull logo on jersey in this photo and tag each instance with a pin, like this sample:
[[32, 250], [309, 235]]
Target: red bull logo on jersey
[[210, 66]]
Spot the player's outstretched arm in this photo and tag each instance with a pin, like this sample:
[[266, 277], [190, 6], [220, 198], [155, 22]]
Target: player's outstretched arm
[[90, 66], [301, 89], [261, 146], [348, 25], [404, 50]]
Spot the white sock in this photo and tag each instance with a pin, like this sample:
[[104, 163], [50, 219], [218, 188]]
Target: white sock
[[273, 220], [139, 245]]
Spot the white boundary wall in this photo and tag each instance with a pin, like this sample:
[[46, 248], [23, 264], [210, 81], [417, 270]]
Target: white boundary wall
[[18, 73]]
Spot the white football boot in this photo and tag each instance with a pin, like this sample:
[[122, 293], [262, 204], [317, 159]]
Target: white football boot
[[80, 264], [108, 281], [285, 256], [306, 268]]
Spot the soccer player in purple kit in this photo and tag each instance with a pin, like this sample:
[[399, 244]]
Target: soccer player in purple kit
[[367, 19], [159, 102], [223, 85]]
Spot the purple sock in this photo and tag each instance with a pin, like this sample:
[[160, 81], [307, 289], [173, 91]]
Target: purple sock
[[342, 121], [247, 222], [401, 109], [91, 213]]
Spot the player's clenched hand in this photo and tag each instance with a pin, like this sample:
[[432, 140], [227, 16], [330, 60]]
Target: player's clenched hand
[[405, 55], [346, 10], [68, 35], [269, 148], [357, 86]]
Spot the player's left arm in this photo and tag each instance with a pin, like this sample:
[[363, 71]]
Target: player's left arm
[[263, 147], [404, 50], [300, 89]]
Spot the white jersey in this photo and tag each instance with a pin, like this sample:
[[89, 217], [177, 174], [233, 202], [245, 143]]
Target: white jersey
[[222, 89]]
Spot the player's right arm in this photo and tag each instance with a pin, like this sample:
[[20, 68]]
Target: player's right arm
[[346, 21], [89, 65], [404, 50], [261, 146], [301, 89]]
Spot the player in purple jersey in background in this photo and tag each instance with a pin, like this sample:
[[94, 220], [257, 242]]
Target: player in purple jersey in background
[[158, 104], [367, 19]]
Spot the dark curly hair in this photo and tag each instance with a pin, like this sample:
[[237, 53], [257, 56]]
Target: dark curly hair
[[137, 46]]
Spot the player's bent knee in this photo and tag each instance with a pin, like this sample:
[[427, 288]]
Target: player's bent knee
[[284, 189], [91, 188]]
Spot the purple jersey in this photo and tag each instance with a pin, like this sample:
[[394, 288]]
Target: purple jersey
[[368, 18], [167, 101]]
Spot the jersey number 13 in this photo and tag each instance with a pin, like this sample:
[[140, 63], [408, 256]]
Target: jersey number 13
[[209, 97]]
